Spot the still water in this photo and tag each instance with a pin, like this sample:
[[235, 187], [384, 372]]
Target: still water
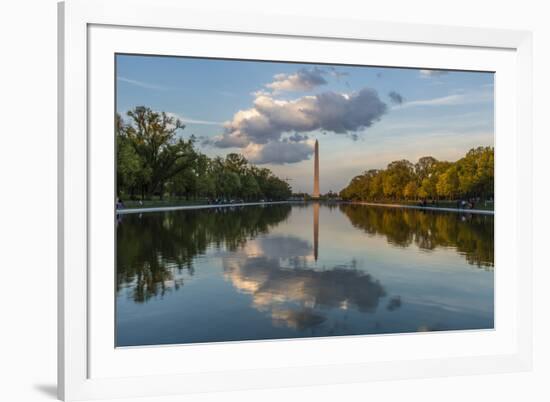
[[300, 270]]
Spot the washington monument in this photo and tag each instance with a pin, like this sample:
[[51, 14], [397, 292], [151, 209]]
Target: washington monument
[[316, 172]]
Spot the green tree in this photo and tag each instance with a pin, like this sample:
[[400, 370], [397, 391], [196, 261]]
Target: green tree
[[396, 177], [236, 163], [230, 184], [129, 165], [153, 159], [472, 175], [184, 183], [448, 183], [154, 138], [425, 167], [476, 172], [411, 189], [249, 187]]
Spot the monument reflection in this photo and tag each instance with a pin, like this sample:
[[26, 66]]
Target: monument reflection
[[316, 230]]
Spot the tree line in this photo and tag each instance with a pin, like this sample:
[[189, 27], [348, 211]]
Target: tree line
[[154, 161], [429, 178]]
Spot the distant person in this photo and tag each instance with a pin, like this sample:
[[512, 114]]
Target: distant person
[[119, 204]]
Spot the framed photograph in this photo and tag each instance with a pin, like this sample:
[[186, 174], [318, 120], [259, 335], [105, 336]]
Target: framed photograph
[[254, 201]]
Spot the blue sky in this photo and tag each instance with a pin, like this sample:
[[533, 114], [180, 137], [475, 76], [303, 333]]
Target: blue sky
[[364, 117]]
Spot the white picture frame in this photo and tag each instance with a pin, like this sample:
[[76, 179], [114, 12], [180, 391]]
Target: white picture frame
[[90, 32]]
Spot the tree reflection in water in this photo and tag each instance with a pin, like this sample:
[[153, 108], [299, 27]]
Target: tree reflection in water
[[471, 235], [153, 248], [259, 278]]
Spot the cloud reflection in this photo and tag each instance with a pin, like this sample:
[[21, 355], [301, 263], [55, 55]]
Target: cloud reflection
[[280, 275]]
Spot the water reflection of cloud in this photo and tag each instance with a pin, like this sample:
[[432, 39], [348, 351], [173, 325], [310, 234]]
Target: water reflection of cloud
[[278, 247], [278, 277], [302, 319]]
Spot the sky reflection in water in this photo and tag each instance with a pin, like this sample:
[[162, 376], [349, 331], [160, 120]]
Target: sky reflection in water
[[304, 270]]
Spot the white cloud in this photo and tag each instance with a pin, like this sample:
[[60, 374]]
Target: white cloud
[[334, 112], [302, 80], [278, 152], [444, 100], [190, 120], [455, 99], [264, 131]]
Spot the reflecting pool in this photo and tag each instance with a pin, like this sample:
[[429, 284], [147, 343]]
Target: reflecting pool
[[300, 270]]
